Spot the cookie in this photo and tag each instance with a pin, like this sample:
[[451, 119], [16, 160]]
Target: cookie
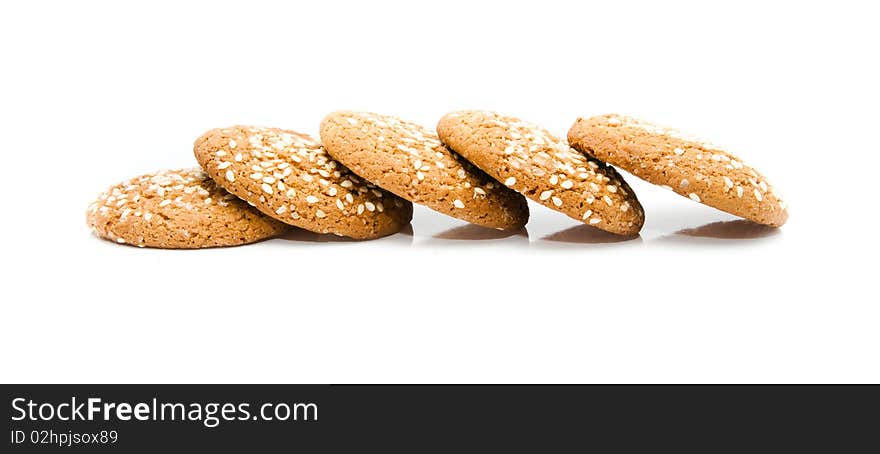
[[691, 167], [410, 161], [544, 168], [177, 209], [288, 176]]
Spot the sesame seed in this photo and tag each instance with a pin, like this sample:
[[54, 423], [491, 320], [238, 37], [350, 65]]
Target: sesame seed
[[694, 197], [320, 214], [256, 176], [557, 201], [267, 189], [238, 157], [546, 195], [458, 203], [370, 206], [360, 208], [351, 121], [739, 191], [349, 198], [678, 151], [608, 200], [554, 179], [281, 209], [611, 188], [164, 203], [479, 191], [339, 204], [346, 184], [567, 184], [307, 178], [230, 175], [223, 165], [461, 173], [311, 199], [624, 207], [420, 175], [268, 179], [758, 195], [587, 214], [728, 183], [232, 143], [614, 121], [220, 153], [510, 181], [208, 201], [595, 221], [120, 241]]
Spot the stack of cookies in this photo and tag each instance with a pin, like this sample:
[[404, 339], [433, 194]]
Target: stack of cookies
[[361, 179]]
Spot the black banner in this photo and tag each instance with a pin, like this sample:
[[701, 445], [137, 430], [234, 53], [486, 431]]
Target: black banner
[[333, 418]]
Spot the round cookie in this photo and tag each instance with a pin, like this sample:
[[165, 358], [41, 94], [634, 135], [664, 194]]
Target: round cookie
[[544, 168], [288, 175], [410, 161], [177, 209], [691, 167]]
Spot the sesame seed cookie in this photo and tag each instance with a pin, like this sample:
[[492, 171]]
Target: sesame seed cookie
[[410, 161], [288, 176], [177, 209], [691, 167], [544, 168]]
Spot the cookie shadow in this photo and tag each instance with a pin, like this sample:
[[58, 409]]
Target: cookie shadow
[[585, 234], [737, 232], [740, 229], [475, 232], [404, 236]]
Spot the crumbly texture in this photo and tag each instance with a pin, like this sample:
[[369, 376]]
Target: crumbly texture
[[288, 176], [691, 167], [410, 161], [177, 209], [544, 168]]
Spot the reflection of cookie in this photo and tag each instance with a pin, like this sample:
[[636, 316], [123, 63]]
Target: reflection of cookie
[[290, 177], [690, 167], [544, 168], [410, 161], [177, 209]]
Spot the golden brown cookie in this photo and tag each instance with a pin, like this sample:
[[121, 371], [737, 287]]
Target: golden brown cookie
[[288, 175], [691, 167], [544, 168], [410, 161], [177, 209]]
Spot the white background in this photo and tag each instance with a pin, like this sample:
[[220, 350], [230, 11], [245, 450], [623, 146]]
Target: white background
[[94, 93]]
